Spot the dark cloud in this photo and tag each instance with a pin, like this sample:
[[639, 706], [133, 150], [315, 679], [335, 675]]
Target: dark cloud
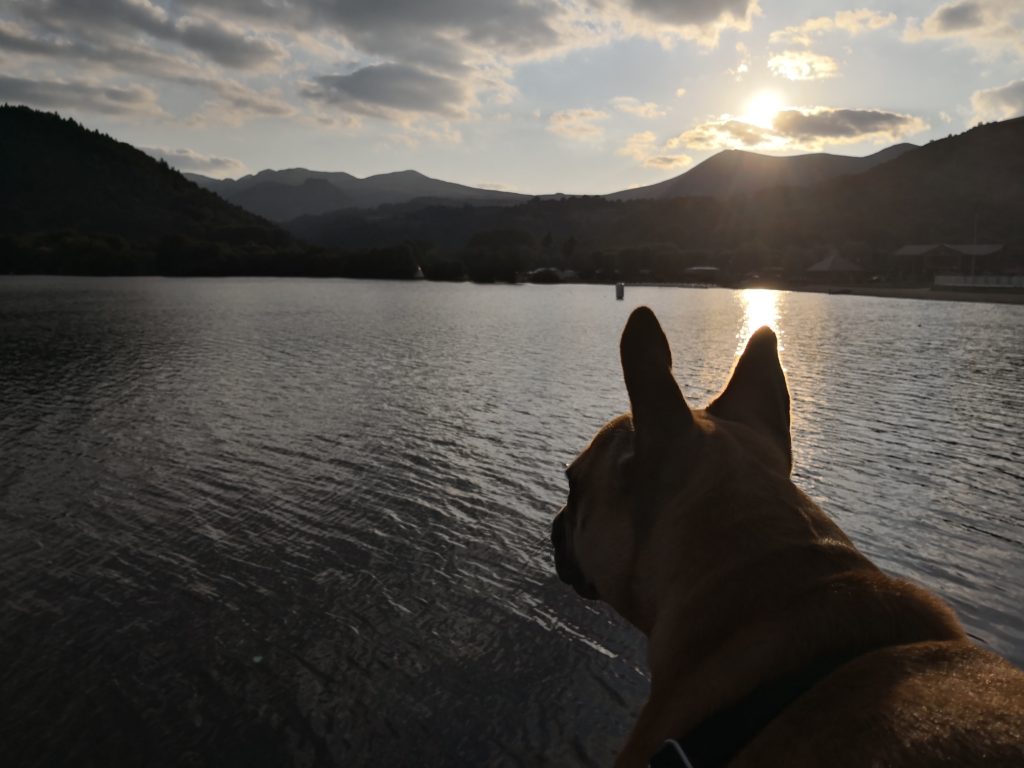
[[139, 59], [225, 46], [109, 21], [408, 30], [959, 17], [842, 124], [697, 12], [79, 95], [100, 18], [990, 26], [376, 90], [233, 99], [14, 38]]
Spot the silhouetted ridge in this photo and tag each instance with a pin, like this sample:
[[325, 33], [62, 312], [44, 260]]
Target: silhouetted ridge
[[734, 171]]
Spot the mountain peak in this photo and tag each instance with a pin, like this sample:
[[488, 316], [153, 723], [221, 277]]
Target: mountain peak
[[737, 171]]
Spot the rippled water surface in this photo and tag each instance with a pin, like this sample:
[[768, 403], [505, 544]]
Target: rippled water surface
[[273, 522]]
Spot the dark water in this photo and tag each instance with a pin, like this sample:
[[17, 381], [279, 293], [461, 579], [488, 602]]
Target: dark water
[[291, 522]]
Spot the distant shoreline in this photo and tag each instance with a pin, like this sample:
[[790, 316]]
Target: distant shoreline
[[974, 296], [994, 296]]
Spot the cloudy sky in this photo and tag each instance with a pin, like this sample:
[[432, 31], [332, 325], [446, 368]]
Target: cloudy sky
[[578, 96]]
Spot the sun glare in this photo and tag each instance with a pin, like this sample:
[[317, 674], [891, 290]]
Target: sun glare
[[762, 108]]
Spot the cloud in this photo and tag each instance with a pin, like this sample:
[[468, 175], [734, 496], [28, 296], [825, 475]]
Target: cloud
[[79, 94], [991, 27], [461, 36], [702, 21], [744, 64], [633, 106], [14, 37], [234, 100], [190, 160], [958, 17], [725, 133], [643, 147], [415, 131], [693, 12], [227, 46], [845, 125], [853, 22], [863, 20], [110, 21], [400, 60], [384, 90], [807, 129], [999, 103], [100, 56], [578, 124], [803, 65]]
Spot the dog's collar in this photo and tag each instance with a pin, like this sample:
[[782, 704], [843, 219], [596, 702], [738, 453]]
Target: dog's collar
[[719, 738]]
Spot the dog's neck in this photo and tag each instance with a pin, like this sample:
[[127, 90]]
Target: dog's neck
[[702, 650]]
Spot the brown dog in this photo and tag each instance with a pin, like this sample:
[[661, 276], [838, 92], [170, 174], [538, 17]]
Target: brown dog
[[771, 640]]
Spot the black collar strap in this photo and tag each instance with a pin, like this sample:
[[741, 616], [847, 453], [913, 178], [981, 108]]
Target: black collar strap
[[719, 738]]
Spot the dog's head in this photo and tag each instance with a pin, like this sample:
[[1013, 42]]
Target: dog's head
[[650, 480]]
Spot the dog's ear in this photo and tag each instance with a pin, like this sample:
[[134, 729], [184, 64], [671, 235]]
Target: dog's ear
[[659, 410], [757, 394]]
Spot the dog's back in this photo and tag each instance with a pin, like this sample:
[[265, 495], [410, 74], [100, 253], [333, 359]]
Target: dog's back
[[945, 703]]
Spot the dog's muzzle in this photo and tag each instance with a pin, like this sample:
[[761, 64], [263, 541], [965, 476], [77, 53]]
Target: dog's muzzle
[[566, 567]]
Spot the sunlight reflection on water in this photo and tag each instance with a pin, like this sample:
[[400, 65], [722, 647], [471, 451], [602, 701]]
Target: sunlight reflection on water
[[760, 306]]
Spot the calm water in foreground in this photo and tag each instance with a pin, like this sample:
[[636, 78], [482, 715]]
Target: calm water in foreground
[[272, 522]]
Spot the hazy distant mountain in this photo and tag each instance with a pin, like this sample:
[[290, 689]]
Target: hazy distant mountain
[[285, 195], [735, 172]]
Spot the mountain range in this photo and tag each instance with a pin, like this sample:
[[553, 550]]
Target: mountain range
[[962, 189], [283, 195], [74, 200], [288, 194]]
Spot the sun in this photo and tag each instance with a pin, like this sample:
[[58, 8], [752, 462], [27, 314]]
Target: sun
[[762, 108]]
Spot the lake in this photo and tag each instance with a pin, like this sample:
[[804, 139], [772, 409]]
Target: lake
[[255, 522]]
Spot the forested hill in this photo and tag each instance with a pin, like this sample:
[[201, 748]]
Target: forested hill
[[69, 194]]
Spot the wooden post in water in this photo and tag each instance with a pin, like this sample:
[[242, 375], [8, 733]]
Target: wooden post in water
[[620, 290]]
